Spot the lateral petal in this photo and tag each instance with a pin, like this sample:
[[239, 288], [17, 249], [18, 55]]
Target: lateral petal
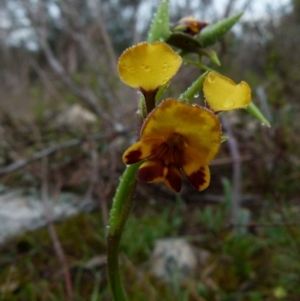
[[142, 150]]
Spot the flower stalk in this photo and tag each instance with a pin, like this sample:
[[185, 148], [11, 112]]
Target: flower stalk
[[120, 210]]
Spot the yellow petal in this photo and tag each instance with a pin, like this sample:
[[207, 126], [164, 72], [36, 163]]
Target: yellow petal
[[222, 94], [148, 66], [156, 171], [142, 150], [199, 127], [195, 170]]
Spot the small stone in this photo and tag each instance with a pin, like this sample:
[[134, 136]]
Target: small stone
[[173, 259]]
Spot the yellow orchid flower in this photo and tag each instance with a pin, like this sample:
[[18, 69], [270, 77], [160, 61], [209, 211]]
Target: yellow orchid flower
[[176, 137], [223, 94], [148, 66]]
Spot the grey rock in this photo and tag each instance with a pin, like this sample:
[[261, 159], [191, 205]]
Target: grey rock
[[173, 260], [20, 213]]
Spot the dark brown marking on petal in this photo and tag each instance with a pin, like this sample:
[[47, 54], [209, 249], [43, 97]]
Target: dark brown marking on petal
[[174, 178], [133, 156], [150, 173], [180, 158], [197, 178], [161, 151]]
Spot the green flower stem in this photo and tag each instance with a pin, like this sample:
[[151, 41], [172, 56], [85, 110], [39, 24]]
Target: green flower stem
[[194, 89], [120, 210], [114, 277], [198, 65], [205, 68]]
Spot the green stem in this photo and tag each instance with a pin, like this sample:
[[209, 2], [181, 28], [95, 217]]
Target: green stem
[[194, 89], [114, 277], [198, 64], [205, 68], [120, 210]]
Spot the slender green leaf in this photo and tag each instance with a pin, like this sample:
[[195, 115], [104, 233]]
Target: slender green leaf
[[254, 111], [194, 89], [160, 26], [213, 33], [212, 55]]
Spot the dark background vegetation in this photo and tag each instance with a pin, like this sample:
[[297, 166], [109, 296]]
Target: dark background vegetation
[[58, 55]]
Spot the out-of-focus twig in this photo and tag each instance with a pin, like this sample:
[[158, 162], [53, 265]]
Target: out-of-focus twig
[[246, 5], [85, 94], [223, 161], [136, 35], [53, 234], [228, 8], [140, 276], [39, 25], [97, 185], [237, 173], [107, 41], [55, 148], [46, 80], [274, 224]]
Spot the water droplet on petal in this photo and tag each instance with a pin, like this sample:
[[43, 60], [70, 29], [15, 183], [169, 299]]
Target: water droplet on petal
[[210, 78], [196, 95], [228, 103]]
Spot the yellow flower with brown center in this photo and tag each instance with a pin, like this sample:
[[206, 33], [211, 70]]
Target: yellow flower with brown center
[[148, 66], [223, 94], [176, 137]]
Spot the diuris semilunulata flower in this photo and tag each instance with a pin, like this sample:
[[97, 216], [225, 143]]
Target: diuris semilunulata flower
[[176, 138]]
